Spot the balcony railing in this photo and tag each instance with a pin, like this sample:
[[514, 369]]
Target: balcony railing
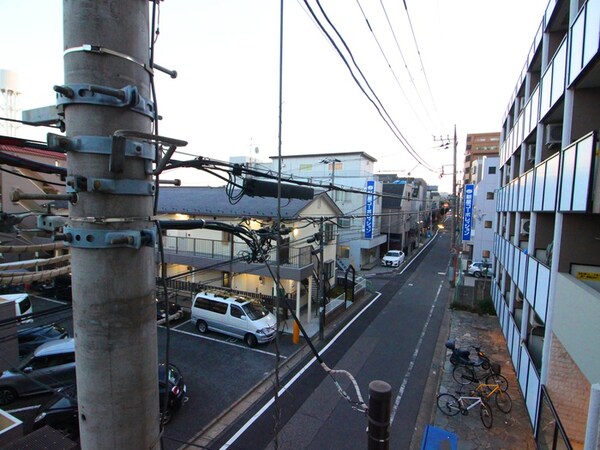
[[539, 189], [294, 257]]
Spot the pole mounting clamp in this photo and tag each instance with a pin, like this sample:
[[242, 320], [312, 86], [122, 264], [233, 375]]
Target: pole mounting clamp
[[78, 183], [90, 94], [103, 239]]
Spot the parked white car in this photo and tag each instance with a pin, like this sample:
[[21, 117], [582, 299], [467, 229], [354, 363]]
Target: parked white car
[[393, 258]]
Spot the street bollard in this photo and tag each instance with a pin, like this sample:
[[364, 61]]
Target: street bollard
[[380, 401]]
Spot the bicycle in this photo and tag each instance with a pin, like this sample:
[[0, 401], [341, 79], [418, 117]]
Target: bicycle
[[461, 356], [451, 406], [467, 373], [502, 399]]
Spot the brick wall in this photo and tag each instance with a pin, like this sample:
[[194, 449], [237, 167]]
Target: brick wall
[[569, 391]]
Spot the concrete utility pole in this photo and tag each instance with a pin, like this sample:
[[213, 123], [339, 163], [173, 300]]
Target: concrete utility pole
[[454, 202], [321, 282], [110, 232]]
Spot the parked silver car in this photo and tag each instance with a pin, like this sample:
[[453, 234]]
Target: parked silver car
[[51, 365], [480, 269]]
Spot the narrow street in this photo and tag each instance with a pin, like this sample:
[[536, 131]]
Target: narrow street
[[391, 339]]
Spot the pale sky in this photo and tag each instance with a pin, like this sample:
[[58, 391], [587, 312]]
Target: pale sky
[[225, 99]]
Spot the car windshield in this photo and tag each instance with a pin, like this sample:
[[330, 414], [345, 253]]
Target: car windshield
[[392, 254], [255, 311]]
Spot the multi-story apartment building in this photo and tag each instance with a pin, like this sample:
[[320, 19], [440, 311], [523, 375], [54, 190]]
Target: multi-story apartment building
[[482, 217], [479, 145], [546, 286], [359, 231], [407, 211]]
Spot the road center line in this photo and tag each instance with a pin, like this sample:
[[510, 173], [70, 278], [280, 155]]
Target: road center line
[[414, 356]]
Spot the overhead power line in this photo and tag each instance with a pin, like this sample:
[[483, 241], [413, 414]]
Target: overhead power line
[[377, 102]]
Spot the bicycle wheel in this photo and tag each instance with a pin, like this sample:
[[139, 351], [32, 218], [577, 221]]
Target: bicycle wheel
[[486, 415], [448, 404], [462, 375], [494, 378], [503, 401]]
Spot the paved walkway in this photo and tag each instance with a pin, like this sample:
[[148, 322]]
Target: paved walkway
[[509, 431]]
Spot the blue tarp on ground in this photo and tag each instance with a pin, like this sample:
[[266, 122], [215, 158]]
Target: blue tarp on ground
[[438, 439]]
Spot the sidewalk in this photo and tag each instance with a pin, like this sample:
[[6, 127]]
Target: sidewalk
[[509, 431]]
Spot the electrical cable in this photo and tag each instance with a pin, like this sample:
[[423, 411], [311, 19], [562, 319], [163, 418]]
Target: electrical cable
[[33, 124], [392, 126], [389, 64], [39, 180], [412, 80], [412, 30]]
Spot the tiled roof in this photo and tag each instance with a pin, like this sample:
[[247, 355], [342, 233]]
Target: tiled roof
[[213, 201]]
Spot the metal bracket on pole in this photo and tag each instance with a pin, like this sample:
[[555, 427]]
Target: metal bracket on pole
[[100, 145], [121, 136], [89, 94], [96, 239], [78, 183]]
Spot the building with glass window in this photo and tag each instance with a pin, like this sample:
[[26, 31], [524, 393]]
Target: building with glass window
[[546, 286], [359, 231], [483, 216], [478, 145]]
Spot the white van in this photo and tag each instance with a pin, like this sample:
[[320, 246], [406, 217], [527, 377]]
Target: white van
[[234, 315], [23, 306]]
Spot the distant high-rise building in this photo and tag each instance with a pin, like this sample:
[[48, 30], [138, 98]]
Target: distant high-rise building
[[478, 146]]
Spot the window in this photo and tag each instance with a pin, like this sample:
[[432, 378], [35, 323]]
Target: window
[[491, 170], [236, 312], [329, 269], [487, 224], [344, 222], [329, 232], [489, 196]]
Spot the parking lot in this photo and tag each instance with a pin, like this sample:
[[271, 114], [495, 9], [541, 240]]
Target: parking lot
[[218, 370]]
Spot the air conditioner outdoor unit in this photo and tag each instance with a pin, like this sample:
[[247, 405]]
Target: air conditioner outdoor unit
[[531, 152], [553, 134], [524, 226]]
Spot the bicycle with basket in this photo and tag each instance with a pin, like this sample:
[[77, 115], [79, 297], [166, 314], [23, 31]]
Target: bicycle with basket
[[482, 370]]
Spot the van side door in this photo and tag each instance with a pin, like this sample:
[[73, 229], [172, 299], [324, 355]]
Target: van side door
[[238, 321]]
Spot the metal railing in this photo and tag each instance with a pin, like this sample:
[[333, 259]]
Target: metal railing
[[209, 248]]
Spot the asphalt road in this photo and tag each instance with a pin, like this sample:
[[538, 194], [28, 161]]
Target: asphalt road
[[392, 339]]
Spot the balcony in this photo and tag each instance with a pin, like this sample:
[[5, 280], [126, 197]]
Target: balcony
[[575, 323], [296, 262], [539, 189]]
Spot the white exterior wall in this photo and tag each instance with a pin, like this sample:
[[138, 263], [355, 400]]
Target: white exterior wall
[[352, 171], [484, 208]]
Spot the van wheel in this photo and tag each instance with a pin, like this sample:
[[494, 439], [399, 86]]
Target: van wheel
[[202, 327], [477, 274], [250, 340], [7, 395]]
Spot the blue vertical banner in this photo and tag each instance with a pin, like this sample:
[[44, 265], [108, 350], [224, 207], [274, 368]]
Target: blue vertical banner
[[369, 210], [468, 212]]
